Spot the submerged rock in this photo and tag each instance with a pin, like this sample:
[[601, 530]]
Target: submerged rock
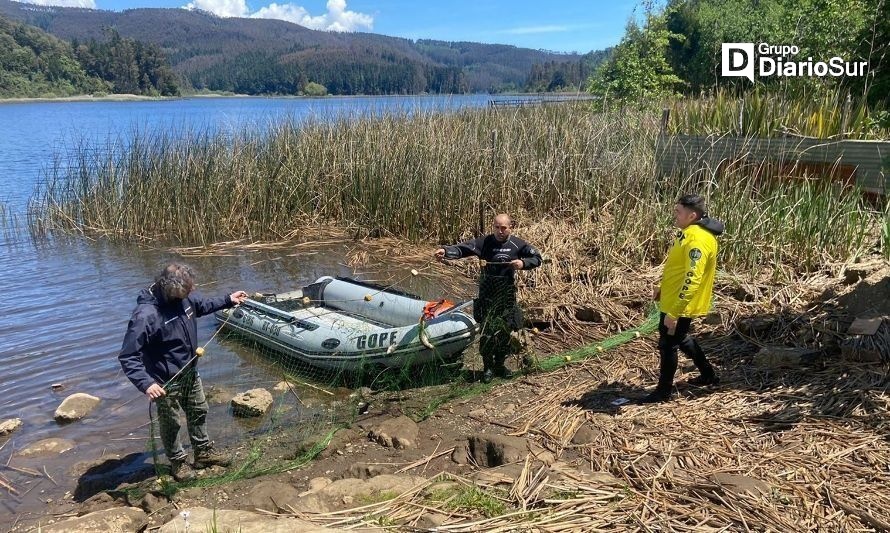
[[8, 426], [75, 407], [47, 447]]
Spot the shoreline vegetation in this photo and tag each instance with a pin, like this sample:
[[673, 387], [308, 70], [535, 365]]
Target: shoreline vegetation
[[89, 98], [222, 94], [428, 176], [582, 187], [580, 183]]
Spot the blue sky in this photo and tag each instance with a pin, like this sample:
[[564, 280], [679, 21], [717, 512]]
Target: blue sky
[[559, 25]]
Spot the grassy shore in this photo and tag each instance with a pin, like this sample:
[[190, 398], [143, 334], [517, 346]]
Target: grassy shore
[[84, 98]]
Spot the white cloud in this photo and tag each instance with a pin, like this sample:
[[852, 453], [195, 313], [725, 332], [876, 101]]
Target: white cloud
[[289, 12], [91, 4], [337, 18], [221, 8]]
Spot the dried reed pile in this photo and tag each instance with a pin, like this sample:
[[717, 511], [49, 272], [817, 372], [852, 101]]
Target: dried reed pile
[[801, 447]]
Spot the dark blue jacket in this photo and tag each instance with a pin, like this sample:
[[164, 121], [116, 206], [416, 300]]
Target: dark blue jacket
[[162, 337]]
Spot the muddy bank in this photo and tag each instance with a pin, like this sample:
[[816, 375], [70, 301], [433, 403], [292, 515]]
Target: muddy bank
[[553, 450]]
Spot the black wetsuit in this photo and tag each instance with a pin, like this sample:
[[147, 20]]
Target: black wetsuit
[[496, 308]]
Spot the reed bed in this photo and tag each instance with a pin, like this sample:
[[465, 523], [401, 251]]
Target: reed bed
[[13, 227], [770, 114], [436, 178]]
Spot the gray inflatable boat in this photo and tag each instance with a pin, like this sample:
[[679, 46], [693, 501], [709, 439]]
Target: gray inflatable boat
[[343, 324]]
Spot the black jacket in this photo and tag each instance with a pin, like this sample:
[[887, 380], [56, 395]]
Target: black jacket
[[491, 250], [162, 337]]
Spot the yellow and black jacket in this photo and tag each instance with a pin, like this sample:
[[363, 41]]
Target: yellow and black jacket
[[688, 280]]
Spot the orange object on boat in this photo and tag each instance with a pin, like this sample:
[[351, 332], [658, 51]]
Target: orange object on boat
[[435, 308]]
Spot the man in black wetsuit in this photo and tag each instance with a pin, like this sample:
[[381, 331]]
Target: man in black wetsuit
[[496, 308]]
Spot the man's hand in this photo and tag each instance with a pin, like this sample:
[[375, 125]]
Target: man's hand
[[155, 391], [238, 297], [517, 264], [670, 323], [439, 254], [656, 293]]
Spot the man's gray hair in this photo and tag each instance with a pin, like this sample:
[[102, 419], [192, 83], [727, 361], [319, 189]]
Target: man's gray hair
[[176, 281]]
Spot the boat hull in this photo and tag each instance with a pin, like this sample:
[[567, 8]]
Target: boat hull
[[323, 335]]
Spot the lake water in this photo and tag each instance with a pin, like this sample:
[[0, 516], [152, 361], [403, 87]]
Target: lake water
[[66, 303]]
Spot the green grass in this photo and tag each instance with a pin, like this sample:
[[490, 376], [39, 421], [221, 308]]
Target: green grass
[[477, 500], [469, 499]]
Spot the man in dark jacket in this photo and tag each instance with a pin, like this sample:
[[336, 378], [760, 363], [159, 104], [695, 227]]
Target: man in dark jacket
[[159, 355], [496, 308]]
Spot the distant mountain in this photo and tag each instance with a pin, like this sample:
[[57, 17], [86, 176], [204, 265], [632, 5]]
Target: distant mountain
[[262, 56]]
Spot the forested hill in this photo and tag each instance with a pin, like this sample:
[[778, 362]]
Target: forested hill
[[260, 56], [34, 63]]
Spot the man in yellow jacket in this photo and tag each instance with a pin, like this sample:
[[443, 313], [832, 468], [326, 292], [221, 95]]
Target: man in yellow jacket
[[685, 293]]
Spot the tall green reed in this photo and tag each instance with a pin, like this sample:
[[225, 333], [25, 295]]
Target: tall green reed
[[769, 114], [427, 176]]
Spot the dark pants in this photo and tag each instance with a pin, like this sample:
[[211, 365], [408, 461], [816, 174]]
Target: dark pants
[[497, 313], [667, 349], [185, 393]]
